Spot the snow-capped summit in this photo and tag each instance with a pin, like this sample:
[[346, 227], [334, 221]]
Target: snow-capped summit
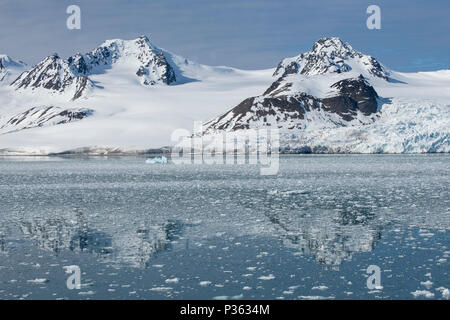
[[329, 86], [136, 58], [9, 68], [147, 61], [331, 55], [55, 75], [335, 99]]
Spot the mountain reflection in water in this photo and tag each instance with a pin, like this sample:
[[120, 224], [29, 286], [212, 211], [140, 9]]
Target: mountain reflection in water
[[73, 233]]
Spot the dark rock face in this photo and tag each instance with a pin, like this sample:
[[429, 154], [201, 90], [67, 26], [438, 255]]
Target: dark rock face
[[258, 109], [53, 74], [42, 116], [79, 64], [72, 115], [288, 110], [158, 69], [82, 84], [283, 107], [286, 69], [45, 74], [276, 88], [169, 74], [141, 72], [354, 94]]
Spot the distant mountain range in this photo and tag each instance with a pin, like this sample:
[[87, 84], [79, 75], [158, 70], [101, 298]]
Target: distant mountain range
[[72, 75], [127, 96], [10, 69]]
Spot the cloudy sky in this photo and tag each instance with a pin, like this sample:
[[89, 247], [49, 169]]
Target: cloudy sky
[[249, 34]]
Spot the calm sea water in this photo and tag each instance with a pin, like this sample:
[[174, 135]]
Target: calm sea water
[[165, 231]]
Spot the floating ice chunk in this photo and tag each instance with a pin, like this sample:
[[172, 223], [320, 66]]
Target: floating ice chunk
[[321, 288], [269, 277], [205, 283], [445, 292], [427, 284], [161, 289], [174, 280], [38, 281], [422, 293], [294, 192], [315, 298], [157, 160]]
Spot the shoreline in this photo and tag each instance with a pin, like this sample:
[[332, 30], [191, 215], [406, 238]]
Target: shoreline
[[168, 153]]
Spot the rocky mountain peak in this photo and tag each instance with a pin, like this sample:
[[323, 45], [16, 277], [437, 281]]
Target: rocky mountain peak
[[56, 75], [332, 46], [140, 56], [149, 62], [144, 40], [331, 55]]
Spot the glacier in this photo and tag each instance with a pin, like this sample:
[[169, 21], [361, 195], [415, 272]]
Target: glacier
[[135, 95]]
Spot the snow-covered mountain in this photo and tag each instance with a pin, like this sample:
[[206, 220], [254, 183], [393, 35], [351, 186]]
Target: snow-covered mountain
[[331, 55], [354, 99], [71, 77], [9, 69], [43, 116], [327, 86], [129, 96], [55, 76], [320, 97]]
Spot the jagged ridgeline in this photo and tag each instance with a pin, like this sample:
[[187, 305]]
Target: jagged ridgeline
[[342, 75], [331, 99], [71, 76]]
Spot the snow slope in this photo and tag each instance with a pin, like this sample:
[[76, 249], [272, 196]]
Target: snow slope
[[126, 114], [71, 77], [10, 69]]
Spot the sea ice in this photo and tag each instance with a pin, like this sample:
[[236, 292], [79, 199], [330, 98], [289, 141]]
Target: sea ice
[[38, 281], [422, 293], [174, 280], [157, 160], [205, 283], [269, 277]]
